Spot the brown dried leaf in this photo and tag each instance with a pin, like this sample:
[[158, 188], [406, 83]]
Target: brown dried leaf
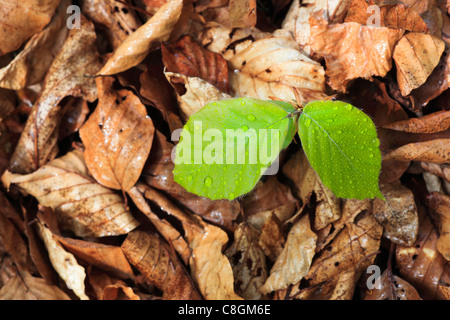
[[343, 44], [137, 45], [434, 122], [105, 257], [82, 205], [66, 77], [248, 262], [350, 249], [117, 136], [441, 204], [396, 16], [271, 66], [114, 19], [295, 260], [20, 20], [416, 55], [402, 289], [188, 58], [397, 214], [64, 262], [242, 13], [423, 266], [158, 264], [24, 286], [435, 151], [271, 240]]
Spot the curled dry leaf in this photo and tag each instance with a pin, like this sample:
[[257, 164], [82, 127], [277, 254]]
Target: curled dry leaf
[[248, 262], [242, 13], [397, 289], [397, 214], [423, 266], [105, 257], [31, 64], [117, 137], [396, 16], [23, 286], [82, 206], [114, 19], [441, 204], [295, 260], [435, 151], [159, 265], [343, 44], [434, 122], [137, 45], [416, 55], [64, 262], [188, 58], [19, 23], [271, 66], [66, 77]]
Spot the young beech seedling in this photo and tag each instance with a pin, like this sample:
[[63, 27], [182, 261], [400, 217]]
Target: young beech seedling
[[227, 146]]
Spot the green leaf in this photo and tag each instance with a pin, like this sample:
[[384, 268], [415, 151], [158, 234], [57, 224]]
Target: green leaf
[[341, 144], [226, 146]]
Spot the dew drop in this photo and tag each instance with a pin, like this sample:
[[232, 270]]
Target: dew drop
[[242, 103], [244, 127], [189, 177], [307, 122], [371, 155], [208, 181], [251, 117], [339, 132], [231, 195], [349, 107]]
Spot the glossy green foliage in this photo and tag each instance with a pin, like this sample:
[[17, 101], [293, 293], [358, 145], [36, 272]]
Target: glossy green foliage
[[341, 144], [228, 145]]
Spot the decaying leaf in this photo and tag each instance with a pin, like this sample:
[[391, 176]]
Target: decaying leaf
[[352, 50], [295, 260], [441, 204], [242, 13], [66, 77], [117, 137], [397, 289], [435, 151], [397, 214], [435, 122], [64, 263], [248, 262], [415, 56], [82, 205], [19, 22], [137, 45]]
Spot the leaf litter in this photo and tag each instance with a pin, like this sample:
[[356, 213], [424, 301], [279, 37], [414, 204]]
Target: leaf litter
[[89, 205]]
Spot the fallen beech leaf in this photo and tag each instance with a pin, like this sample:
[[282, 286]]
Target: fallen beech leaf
[[398, 214], [441, 204], [119, 292], [248, 262], [435, 151], [198, 93], [210, 268], [66, 77], [74, 114], [113, 18], [137, 45], [271, 66], [423, 266], [295, 260], [159, 266], [23, 286], [434, 122], [402, 290], [7, 103], [117, 136], [82, 205], [350, 249], [64, 263], [344, 44], [242, 13], [20, 20], [31, 64], [188, 58], [106, 257], [271, 240], [415, 56], [396, 16]]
